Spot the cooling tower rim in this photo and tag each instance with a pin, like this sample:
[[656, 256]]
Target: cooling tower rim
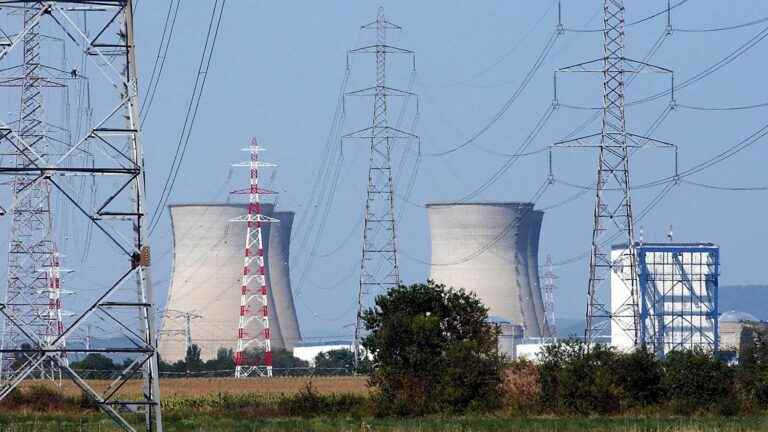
[[224, 204], [483, 203], [212, 204]]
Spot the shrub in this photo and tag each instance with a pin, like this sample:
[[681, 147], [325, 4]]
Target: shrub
[[433, 350], [640, 375], [522, 388], [309, 403], [752, 372], [44, 398], [577, 380], [695, 382]]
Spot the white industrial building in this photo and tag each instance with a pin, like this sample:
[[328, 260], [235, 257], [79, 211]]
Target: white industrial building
[[308, 351], [208, 253], [676, 293]]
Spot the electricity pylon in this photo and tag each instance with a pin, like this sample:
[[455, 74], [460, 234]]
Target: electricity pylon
[[612, 215], [254, 289], [33, 287], [379, 270], [187, 316], [122, 296], [549, 287]]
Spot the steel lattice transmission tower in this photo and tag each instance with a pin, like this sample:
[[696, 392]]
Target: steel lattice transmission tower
[[613, 204], [254, 290], [549, 286], [33, 290], [379, 270], [117, 289], [187, 330], [612, 216]]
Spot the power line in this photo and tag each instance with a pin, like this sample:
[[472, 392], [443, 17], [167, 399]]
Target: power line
[[189, 120], [727, 188], [508, 104], [648, 56], [632, 23], [719, 29], [733, 55], [718, 158], [506, 54], [514, 157], [503, 233], [724, 108], [320, 184], [157, 68]]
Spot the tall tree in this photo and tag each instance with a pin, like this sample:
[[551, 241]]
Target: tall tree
[[433, 350]]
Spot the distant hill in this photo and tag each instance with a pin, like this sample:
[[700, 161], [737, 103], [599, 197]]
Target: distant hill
[[752, 299]]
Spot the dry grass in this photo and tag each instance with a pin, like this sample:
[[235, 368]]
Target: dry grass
[[189, 387], [522, 388]]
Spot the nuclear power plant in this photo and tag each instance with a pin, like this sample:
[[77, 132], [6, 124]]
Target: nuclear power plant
[[492, 249], [206, 279]]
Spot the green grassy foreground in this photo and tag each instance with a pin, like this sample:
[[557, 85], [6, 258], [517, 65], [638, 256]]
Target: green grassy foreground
[[191, 423]]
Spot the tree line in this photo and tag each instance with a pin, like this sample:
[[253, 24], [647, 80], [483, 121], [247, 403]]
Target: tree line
[[284, 363]]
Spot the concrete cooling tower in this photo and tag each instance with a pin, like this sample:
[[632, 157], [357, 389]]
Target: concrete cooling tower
[[492, 250], [206, 277]]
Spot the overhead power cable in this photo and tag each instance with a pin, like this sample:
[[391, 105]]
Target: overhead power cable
[[719, 29], [724, 108], [506, 54], [717, 159], [514, 157], [322, 175], [159, 64], [501, 235], [643, 213], [201, 77], [648, 56], [631, 23], [727, 188], [733, 55], [508, 104]]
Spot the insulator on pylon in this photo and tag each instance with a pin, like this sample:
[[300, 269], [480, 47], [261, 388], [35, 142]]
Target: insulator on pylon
[[145, 257]]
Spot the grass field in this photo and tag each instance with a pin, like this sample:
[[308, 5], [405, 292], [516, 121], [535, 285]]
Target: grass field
[[228, 405], [192, 387], [194, 423]]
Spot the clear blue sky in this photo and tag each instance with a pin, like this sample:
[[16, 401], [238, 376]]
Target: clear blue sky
[[276, 75]]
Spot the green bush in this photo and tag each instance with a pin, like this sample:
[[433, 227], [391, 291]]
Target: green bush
[[640, 376], [695, 381], [434, 350], [752, 373], [309, 403], [577, 380], [45, 398]]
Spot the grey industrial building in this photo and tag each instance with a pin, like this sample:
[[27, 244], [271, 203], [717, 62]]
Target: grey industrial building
[[206, 277]]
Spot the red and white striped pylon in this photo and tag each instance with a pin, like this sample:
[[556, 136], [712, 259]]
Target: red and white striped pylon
[[254, 290], [55, 323]]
